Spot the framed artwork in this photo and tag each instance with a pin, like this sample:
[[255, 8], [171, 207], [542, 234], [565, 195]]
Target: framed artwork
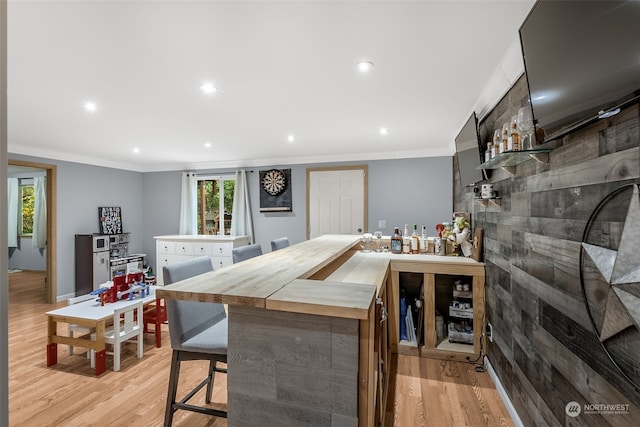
[[275, 190], [110, 219]]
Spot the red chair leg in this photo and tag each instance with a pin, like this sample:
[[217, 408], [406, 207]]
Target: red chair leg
[[158, 335]]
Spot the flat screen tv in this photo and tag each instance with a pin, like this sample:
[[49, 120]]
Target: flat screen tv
[[582, 61], [468, 151]]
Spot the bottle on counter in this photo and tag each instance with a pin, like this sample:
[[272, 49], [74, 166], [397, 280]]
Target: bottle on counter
[[415, 240], [487, 154], [396, 241], [406, 240], [424, 240]]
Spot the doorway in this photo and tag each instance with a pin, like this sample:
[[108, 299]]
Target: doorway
[[51, 289], [337, 201]]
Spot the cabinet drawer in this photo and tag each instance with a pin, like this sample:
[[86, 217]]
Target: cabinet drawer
[[184, 248], [166, 247], [202, 249], [221, 261], [222, 249]]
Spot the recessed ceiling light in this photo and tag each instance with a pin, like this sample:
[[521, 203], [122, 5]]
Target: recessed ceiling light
[[208, 88], [291, 138], [136, 150], [90, 106], [384, 131], [364, 66], [207, 145]]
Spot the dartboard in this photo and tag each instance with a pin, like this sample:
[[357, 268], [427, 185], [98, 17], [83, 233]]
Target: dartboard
[[274, 182]]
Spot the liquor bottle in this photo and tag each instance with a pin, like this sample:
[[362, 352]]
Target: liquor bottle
[[505, 137], [406, 240], [415, 240], [424, 240], [396, 242], [514, 135]]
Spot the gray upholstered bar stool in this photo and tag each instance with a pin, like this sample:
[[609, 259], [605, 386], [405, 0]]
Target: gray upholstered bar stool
[[198, 331], [242, 253], [280, 243]]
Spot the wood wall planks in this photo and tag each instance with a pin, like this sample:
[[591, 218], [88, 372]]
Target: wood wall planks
[[545, 350]]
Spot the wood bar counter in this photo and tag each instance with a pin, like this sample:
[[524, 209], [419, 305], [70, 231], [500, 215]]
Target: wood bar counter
[[307, 345]]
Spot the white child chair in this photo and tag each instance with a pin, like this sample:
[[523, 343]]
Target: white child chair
[[127, 325], [73, 328]]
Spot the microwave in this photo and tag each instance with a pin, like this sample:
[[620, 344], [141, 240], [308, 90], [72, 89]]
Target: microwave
[[100, 243]]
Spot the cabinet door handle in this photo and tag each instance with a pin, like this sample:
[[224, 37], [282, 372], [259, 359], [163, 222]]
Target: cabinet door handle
[[382, 310]]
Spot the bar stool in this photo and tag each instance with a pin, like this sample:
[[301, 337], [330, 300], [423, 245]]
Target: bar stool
[[280, 243], [198, 331], [243, 253]]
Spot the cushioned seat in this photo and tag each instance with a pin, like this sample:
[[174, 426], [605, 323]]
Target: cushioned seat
[[280, 243], [243, 253]]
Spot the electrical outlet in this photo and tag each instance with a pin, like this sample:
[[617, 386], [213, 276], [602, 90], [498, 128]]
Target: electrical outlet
[[382, 224], [490, 331]]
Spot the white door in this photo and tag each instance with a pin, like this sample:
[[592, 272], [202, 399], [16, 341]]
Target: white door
[[336, 201]]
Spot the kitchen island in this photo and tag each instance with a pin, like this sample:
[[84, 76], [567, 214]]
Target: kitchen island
[[307, 345]]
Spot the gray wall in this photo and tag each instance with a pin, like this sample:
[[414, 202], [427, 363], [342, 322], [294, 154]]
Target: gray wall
[[26, 257], [401, 192], [545, 350], [81, 189]]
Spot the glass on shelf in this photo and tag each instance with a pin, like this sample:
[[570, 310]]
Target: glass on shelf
[[526, 127]]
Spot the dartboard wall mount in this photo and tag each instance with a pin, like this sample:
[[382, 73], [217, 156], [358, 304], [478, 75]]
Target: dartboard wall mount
[[275, 190]]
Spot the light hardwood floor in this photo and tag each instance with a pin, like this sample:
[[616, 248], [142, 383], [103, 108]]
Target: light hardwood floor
[[423, 392]]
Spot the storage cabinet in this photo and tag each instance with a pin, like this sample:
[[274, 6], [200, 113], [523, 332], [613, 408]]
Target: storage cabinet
[[177, 248], [461, 331]]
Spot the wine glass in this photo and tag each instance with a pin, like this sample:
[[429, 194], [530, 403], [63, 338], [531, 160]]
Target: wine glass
[[525, 126]]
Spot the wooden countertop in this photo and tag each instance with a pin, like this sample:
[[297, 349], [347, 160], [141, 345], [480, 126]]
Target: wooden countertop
[[251, 282], [277, 280], [324, 298]]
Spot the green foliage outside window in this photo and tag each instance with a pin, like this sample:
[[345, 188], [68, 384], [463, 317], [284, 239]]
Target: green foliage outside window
[[27, 209], [214, 224]]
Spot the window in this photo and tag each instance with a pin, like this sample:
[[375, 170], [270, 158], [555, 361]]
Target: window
[[215, 195], [27, 203]]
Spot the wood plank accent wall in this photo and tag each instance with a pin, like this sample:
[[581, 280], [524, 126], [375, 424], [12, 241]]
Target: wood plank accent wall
[[545, 351]]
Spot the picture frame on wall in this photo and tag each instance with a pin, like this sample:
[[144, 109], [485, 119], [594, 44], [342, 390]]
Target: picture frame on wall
[[275, 190], [110, 219]]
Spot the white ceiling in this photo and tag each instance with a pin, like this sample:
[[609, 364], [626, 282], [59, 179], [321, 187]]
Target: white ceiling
[[280, 68]]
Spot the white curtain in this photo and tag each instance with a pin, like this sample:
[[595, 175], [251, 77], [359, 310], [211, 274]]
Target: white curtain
[[12, 202], [39, 236], [188, 204], [241, 223]]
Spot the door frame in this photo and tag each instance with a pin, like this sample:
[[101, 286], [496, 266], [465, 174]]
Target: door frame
[[51, 285], [365, 171]]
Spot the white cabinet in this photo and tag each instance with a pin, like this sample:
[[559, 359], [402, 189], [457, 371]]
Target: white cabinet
[[175, 248]]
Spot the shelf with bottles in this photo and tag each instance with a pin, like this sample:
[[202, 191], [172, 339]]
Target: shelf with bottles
[[508, 160]]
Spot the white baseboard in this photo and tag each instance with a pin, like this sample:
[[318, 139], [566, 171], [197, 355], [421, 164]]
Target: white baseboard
[[503, 394]]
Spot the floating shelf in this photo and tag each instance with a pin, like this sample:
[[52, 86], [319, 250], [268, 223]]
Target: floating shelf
[[491, 200], [508, 160]]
